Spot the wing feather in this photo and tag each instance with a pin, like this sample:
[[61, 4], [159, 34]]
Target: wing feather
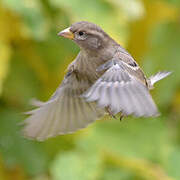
[[65, 112], [121, 91]]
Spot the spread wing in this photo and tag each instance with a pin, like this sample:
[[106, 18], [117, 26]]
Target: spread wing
[[64, 113], [120, 89]]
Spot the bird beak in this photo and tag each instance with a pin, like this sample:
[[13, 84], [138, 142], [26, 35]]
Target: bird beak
[[66, 33]]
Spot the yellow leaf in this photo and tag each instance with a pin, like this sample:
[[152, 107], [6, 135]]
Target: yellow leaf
[[156, 12], [5, 53]]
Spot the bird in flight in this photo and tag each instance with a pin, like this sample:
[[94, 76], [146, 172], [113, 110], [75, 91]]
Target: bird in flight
[[103, 78]]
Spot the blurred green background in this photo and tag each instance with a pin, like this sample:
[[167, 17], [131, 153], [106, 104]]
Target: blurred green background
[[33, 60]]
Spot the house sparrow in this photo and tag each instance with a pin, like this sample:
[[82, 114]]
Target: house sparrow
[[103, 78]]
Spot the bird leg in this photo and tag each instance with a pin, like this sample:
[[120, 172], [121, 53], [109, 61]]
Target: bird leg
[[122, 116], [72, 70], [110, 113]]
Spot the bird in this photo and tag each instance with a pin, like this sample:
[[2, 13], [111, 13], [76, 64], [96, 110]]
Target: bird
[[104, 79]]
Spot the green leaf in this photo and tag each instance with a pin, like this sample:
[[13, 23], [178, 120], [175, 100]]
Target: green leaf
[[33, 18], [164, 55], [17, 150], [173, 163], [75, 165]]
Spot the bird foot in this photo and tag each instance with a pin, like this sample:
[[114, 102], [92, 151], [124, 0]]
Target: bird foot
[[122, 116], [110, 113]]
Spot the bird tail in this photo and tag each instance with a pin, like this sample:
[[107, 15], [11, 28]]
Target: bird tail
[[155, 78]]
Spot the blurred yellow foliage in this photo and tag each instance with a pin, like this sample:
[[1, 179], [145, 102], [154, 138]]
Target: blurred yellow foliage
[[140, 167], [156, 12], [5, 54], [9, 32]]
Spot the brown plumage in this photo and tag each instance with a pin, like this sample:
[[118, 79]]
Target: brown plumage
[[103, 78]]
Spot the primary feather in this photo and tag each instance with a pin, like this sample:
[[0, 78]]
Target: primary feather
[[64, 113], [121, 92]]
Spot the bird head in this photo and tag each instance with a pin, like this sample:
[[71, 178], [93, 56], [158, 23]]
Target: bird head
[[87, 36]]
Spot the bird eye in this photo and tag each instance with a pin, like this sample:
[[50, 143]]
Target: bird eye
[[81, 33]]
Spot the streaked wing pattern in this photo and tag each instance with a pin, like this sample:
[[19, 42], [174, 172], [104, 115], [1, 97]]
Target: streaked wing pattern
[[118, 90], [64, 113]]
